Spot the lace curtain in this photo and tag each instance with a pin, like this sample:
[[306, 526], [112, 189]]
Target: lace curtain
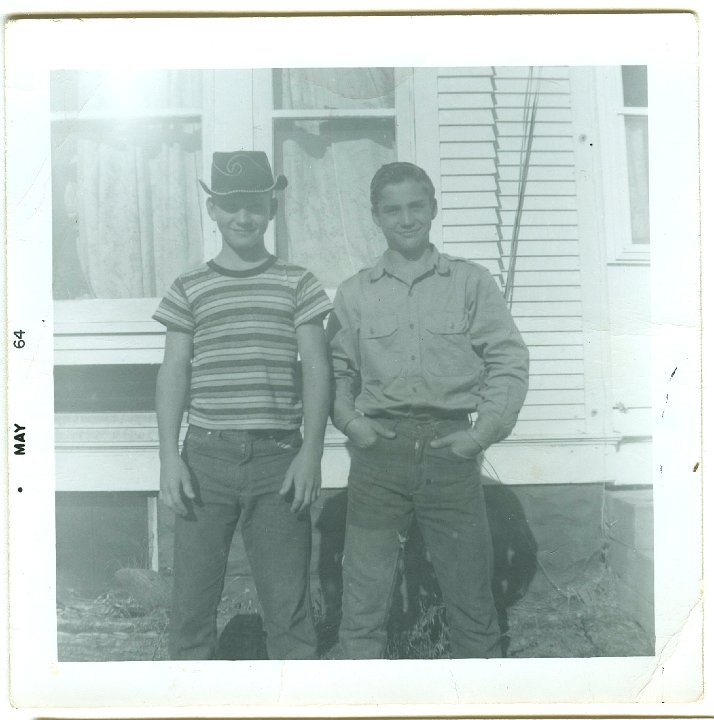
[[325, 221], [128, 215], [139, 210], [334, 88]]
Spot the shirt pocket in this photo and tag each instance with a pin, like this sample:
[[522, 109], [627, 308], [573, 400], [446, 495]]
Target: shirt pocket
[[381, 348], [447, 347]]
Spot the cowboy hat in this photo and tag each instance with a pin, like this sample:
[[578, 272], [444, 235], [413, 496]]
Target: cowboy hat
[[242, 171]]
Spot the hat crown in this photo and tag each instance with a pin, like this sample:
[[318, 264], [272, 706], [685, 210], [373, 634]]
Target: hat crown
[[242, 171]]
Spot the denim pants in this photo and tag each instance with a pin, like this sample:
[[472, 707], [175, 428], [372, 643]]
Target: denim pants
[[392, 483], [238, 474]]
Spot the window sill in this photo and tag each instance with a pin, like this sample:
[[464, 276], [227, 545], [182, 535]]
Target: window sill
[[629, 256]]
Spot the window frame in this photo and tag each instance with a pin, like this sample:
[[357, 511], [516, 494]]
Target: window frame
[[611, 115], [265, 115], [108, 331]]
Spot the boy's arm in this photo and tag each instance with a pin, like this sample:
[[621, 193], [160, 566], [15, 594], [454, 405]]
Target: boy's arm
[[172, 388], [495, 338], [342, 339], [304, 472], [344, 351]]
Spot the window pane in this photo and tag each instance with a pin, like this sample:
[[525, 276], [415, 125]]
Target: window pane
[[634, 85], [126, 207], [324, 222], [333, 88], [125, 92], [638, 177]]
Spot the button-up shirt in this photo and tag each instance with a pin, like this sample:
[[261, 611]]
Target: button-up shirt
[[439, 341]]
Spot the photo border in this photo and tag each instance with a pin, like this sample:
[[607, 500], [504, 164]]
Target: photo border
[[677, 441]]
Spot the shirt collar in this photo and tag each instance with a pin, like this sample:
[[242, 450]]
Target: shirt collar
[[436, 260]]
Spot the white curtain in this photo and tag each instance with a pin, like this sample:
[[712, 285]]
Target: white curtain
[[132, 180], [325, 222], [139, 210], [337, 88], [636, 135]]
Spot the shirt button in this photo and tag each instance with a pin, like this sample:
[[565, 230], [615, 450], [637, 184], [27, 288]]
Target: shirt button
[[411, 325], [413, 357]]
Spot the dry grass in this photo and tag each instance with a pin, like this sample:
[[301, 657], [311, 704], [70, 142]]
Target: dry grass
[[110, 627], [544, 623]]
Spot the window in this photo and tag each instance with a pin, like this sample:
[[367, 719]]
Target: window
[[128, 213], [127, 210], [622, 112], [329, 130], [634, 92], [126, 206]]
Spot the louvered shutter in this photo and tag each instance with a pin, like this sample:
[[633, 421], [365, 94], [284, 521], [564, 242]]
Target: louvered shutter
[[481, 133]]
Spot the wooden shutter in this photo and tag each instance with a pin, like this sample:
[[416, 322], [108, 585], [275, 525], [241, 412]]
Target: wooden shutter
[[481, 133]]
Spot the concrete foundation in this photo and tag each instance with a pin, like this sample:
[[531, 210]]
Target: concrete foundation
[[629, 537]]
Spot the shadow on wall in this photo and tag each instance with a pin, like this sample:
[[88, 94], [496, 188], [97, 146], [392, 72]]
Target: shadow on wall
[[515, 564]]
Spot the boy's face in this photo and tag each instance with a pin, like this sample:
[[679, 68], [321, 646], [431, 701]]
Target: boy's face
[[404, 213], [242, 218]]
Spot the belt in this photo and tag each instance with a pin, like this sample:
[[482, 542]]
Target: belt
[[233, 434], [423, 415]]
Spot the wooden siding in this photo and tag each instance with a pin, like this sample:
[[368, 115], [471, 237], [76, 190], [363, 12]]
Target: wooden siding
[[482, 132]]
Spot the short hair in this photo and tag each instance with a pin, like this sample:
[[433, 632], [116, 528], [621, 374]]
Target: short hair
[[397, 172]]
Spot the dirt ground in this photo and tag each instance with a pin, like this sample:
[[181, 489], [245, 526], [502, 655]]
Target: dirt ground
[[580, 620]]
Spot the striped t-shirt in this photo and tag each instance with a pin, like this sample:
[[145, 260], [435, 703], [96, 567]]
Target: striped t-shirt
[[244, 372]]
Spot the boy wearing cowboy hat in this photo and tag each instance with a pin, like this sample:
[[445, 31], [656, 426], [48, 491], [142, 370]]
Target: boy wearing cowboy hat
[[235, 326]]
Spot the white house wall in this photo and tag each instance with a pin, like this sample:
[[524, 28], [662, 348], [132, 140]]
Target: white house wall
[[470, 124], [481, 135], [585, 322]]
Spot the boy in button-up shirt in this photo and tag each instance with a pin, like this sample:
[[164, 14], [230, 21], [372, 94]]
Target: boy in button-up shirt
[[419, 342]]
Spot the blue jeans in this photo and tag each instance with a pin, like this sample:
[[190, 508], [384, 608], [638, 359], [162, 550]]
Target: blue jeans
[[238, 474], [392, 483]]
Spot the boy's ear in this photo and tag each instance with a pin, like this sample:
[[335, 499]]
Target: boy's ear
[[273, 207], [434, 208], [375, 218], [210, 206]]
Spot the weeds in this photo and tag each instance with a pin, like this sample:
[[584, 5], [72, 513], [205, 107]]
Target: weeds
[[426, 637], [581, 617]]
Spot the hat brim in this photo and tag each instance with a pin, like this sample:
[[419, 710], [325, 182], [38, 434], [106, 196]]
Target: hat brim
[[281, 182]]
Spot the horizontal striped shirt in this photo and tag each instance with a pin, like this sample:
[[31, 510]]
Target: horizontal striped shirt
[[244, 371]]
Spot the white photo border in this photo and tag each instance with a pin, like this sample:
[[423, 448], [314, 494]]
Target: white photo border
[[666, 43]]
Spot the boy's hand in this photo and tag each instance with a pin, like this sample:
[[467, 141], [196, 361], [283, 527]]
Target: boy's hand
[[363, 432], [304, 476], [175, 478], [461, 443]]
